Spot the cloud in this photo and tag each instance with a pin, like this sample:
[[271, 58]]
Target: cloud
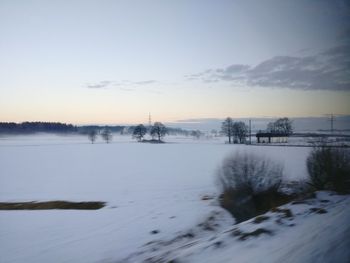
[[99, 85], [125, 85], [327, 70], [127, 89], [145, 82]]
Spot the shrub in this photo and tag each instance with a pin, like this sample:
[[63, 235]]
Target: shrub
[[249, 185], [329, 169], [251, 172]]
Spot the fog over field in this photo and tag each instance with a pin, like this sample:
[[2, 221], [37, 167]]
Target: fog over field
[[301, 124]]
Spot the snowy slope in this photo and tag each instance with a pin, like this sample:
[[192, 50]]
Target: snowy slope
[[317, 230]]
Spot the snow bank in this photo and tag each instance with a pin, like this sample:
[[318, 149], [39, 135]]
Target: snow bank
[[316, 230]]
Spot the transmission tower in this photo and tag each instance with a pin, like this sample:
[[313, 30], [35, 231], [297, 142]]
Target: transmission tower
[[149, 119], [250, 131], [331, 120], [332, 123]]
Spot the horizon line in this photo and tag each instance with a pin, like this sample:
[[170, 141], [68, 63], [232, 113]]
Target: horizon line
[[179, 121]]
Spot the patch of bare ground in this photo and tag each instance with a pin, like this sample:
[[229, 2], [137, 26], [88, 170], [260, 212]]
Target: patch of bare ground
[[245, 235], [51, 205], [259, 219], [286, 213], [318, 210]]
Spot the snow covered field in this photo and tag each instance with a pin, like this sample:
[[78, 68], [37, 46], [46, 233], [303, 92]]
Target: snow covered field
[[146, 186]]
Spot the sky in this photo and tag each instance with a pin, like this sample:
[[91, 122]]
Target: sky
[[114, 62]]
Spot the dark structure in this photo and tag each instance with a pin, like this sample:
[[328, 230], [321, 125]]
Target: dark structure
[[271, 137]]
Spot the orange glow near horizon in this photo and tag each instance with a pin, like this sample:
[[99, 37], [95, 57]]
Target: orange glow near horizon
[[114, 108]]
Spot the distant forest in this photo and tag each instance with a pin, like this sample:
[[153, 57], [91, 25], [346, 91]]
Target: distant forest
[[57, 127], [31, 127]]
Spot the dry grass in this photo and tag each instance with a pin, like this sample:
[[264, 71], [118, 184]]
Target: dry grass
[[51, 205]]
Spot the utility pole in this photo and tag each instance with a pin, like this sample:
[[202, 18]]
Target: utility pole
[[250, 131], [332, 123]]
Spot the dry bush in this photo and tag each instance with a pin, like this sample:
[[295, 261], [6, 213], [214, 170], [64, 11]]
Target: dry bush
[[249, 184], [329, 169], [249, 172]]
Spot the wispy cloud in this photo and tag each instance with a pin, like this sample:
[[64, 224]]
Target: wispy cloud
[[327, 70], [144, 82], [99, 85], [125, 85]]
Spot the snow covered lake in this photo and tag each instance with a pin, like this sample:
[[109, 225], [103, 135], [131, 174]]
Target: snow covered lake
[[146, 186]]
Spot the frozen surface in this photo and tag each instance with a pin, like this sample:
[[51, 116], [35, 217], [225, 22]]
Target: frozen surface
[[146, 186]]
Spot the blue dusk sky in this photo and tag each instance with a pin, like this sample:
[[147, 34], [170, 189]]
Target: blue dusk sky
[[115, 61]]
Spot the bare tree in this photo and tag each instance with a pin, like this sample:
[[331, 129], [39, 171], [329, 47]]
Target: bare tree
[[92, 135], [158, 130], [196, 134], [240, 130], [271, 127], [214, 132], [227, 128], [139, 131], [283, 126], [106, 135]]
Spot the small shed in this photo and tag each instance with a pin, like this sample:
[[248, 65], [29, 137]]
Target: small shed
[[269, 137]]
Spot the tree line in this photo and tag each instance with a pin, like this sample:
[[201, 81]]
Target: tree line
[[157, 131], [30, 127], [237, 132]]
